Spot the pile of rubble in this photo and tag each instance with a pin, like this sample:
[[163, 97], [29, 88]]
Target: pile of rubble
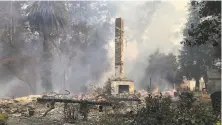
[[26, 109], [23, 106]]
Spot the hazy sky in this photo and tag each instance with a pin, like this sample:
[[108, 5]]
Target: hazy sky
[[162, 29], [148, 25]]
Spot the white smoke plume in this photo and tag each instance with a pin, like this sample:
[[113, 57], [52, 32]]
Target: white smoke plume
[[163, 30], [148, 25]]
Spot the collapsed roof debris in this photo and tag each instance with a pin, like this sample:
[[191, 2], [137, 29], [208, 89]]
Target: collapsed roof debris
[[32, 107]]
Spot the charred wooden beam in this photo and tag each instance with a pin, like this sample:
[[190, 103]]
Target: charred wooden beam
[[104, 103], [45, 100], [124, 99]]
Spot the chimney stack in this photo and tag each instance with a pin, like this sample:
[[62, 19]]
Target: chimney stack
[[119, 45]]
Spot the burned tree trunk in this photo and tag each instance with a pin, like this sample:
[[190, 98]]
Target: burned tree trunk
[[197, 87], [46, 66]]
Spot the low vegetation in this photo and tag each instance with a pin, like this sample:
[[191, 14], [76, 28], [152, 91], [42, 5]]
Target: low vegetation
[[163, 111]]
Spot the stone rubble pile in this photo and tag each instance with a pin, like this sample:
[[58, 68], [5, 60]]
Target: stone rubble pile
[[23, 106], [28, 108]]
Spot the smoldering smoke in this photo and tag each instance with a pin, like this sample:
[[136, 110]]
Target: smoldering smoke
[[93, 60]]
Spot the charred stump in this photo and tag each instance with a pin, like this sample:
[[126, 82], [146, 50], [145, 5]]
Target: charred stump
[[216, 101]]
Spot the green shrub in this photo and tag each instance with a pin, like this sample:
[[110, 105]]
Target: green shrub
[[163, 111], [186, 100], [160, 111]]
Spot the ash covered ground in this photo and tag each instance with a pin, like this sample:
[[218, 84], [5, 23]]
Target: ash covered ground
[[27, 111]]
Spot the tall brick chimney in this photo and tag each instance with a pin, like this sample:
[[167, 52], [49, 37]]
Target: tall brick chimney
[[119, 52]]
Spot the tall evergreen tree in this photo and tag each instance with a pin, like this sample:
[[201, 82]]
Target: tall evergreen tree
[[195, 55], [207, 29]]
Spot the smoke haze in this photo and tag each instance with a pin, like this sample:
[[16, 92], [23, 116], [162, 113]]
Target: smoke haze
[[148, 25]]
